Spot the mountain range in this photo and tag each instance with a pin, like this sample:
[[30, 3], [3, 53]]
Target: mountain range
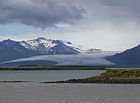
[[10, 49], [42, 51]]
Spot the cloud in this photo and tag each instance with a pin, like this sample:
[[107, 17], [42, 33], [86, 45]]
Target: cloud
[[50, 13], [106, 24], [39, 13], [124, 10], [112, 10]]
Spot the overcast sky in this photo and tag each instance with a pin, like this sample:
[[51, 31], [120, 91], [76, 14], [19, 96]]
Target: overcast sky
[[103, 24]]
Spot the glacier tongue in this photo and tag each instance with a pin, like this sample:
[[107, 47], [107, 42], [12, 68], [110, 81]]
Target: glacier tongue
[[87, 59]]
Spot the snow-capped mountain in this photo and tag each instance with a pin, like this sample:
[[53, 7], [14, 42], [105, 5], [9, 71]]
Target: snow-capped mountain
[[40, 44], [10, 49], [48, 46]]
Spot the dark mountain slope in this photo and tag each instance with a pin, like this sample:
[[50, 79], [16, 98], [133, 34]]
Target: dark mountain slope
[[10, 50], [130, 57]]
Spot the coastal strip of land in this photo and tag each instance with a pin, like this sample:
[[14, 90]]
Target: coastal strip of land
[[110, 76], [53, 68]]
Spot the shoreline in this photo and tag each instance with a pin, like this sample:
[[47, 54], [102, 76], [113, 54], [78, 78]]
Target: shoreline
[[53, 68], [84, 81], [109, 77]]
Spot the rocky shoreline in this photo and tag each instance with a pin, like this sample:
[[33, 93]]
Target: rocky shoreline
[[110, 76], [98, 81]]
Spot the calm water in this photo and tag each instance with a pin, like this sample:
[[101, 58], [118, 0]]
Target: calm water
[[51, 75], [35, 92]]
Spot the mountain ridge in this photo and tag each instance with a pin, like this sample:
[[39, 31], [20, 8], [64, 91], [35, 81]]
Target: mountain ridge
[[130, 57], [11, 49]]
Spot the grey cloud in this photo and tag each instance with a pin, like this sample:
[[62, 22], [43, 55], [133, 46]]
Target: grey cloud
[[112, 10], [125, 3], [39, 13], [48, 13], [124, 9]]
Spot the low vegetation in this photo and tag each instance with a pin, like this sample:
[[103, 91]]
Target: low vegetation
[[53, 68], [120, 74], [111, 76]]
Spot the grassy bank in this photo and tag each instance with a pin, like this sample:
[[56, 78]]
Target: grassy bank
[[111, 76], [53, 68], [119, 74]]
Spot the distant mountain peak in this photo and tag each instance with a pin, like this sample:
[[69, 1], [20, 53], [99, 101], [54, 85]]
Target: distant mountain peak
[[49, 46], [8, 40], [94, 50], [41, 38]]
